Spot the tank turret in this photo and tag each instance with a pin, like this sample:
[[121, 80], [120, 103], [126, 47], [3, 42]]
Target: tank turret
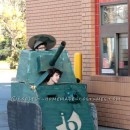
[[33, 63]]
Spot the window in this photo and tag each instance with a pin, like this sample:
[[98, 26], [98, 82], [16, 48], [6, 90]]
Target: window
[[108, 62], [114, 39], [115, 14], [123, 54]]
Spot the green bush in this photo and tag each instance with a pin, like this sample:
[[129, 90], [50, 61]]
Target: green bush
[[4, 50], [13, 59]]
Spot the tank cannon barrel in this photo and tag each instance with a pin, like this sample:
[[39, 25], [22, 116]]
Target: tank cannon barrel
[[57, 54]]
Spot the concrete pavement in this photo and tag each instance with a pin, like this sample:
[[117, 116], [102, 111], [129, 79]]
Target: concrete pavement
[[5, 94], [5, 73], [6, 76], [4, 65]]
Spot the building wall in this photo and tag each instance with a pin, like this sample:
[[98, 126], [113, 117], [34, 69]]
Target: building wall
[[111, 94], [77, 23], [68, 20]]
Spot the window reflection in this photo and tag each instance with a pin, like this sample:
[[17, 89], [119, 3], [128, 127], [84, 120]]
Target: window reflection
[[108, 58], [115, 14], [123, 54]]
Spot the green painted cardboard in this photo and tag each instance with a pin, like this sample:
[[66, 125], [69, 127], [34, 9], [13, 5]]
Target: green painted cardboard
[[33, 63], [64, 106], [60, 113]]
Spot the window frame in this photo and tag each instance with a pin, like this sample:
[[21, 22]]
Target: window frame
[[128, 37], [113, 30]]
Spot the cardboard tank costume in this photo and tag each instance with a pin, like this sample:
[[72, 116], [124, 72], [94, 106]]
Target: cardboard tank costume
[[63, 106]]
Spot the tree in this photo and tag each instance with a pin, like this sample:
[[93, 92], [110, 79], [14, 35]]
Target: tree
[[13, 24]]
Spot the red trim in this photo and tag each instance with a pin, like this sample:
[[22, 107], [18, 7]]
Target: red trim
[[97, 32], [97, 36], [107, 0]]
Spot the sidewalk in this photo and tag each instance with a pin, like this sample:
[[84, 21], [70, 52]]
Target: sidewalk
[[6, 74], [4, 65]]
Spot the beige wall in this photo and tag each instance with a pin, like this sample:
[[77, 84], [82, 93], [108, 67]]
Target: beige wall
[[69, 20]]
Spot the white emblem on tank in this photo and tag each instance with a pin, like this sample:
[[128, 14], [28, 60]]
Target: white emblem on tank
[[74, 123]]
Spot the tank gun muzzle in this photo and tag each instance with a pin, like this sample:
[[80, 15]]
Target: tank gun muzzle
[[57, 54]]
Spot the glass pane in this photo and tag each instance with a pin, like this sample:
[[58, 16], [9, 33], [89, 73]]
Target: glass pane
[[115, 14], [108, 62], [123, 54]]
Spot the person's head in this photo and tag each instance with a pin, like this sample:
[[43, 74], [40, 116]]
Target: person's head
[[53, 77], [47, 40]]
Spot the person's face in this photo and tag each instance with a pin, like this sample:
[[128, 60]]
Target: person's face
[[55, 78], [41, 47]]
